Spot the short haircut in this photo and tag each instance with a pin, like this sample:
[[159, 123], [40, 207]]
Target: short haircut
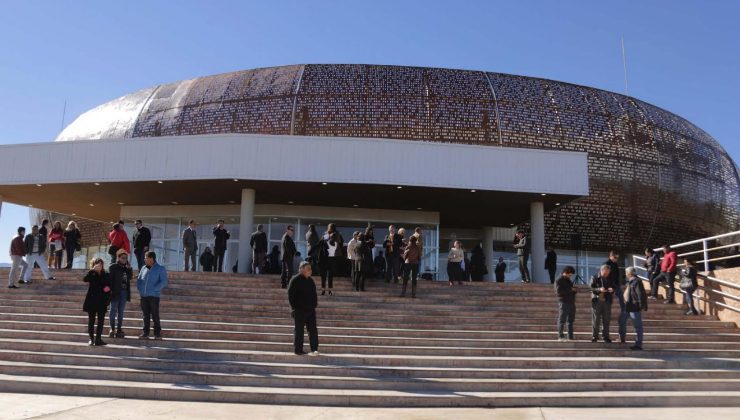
[[568, 269], [138, 222], [34, 227], [116, 226], [417, 230], [666, 246], [412, 240], [121, 222], [650, 251], [259, 227], [44, 222], [613, 253], [152, 255], [290, 227], [21, 230], [303, 264], [221, 221], [191, 221], [605, 266], [630, 270]]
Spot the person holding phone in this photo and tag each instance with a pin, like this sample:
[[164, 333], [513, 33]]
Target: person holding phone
[[602, 290], [96, 300]]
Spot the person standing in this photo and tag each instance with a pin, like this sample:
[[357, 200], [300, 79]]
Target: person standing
[[44, 230], [551, 263], [334, 257], [667, 274], [221, 238], [142, 240], [206, 260], [56, 245], [118, 239], [651, 266], [478, 267], [689, 284], [17, 252], [150, 282], [392, 246], [35, 244], [500, 270], [601, 303], [303, 302], [258, 243], [455, 259], [616, 279], [368, 263], [358, 279], [121, 274], [566, 303], [312, 247], [287, 253], [190, 245], [635, 299], [522, 252], [411, 259], [351, 255], [96, 301], [72, 242]]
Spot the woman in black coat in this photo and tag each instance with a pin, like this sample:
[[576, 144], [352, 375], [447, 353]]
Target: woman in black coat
[[96, 300], [72, 238]]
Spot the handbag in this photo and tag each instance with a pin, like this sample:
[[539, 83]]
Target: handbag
[[686, 283]]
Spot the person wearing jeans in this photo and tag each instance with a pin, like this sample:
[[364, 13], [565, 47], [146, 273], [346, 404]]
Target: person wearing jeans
[[121, 274], [35, 243], [150, 282], [689, 284], [601, 304], [635, 299], [615, 278], [17, 252], [667, 274]]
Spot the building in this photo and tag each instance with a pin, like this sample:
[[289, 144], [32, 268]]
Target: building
[[465, 154]]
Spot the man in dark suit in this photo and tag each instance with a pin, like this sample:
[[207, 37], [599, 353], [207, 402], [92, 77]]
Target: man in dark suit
[[258, 242], [190, 245], [303, 302], [221, 236], [287, 254], [500, 270]]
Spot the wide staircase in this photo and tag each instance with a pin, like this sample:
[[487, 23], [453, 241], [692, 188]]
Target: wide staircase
[[228, 338]]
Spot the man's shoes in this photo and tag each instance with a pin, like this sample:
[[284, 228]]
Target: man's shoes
[[12, 286], [636, 347], [571, 338], [622, 339], [607, 340], [112, 333], [91, 343], [300, 353], [144, 337], [314, 353], [323, 292], [669, 302], [652, 297], [561, 339], [100, 342], [594, 339], [158, 337], [23, 281], [120, 334], [51, 278], [692, 313]]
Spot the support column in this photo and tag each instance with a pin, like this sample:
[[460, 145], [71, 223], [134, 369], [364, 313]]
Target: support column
[[537, 238], [488, 252], [1, 205], [246, 224]]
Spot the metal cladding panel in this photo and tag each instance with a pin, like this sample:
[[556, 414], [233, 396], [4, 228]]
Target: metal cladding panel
[[332, 159]]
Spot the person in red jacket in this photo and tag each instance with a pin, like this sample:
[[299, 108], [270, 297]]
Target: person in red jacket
[[667, 275], [17, 252], [118, 239]]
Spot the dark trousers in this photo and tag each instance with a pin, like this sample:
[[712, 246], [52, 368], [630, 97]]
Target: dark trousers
[[286, 272], [601, 314], [566, 315], [305, 320], [328, 271], [150, 308], [500, 278], [523, 270], [190, 257], [219, 265], [70, 247], [358, 278], [139, 254], [622, 313], [410, 270], [258, 262], [551, 272], [91, 324], [392, 268], [668, 278]]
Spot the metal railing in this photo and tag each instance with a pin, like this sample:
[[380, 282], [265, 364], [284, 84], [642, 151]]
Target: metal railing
[[711, 286]]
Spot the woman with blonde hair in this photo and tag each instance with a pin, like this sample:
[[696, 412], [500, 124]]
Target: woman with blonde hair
[[96, 300], [72, 239]]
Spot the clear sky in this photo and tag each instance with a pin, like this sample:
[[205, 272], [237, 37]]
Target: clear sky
[[683, 56]]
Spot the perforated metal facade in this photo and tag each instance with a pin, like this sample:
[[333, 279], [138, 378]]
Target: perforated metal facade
[[654, 177]]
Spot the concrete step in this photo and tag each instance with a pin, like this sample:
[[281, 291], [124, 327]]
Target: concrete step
[[355, 397]]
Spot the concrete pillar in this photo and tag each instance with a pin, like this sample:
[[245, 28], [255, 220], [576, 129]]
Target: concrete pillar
[[1, 205], [246, 224], [537, 238], [488, 251]]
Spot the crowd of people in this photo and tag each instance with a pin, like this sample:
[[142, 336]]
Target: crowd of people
[[328, 256]]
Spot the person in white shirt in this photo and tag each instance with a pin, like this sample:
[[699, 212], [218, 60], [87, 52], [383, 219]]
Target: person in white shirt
[[351, 245]]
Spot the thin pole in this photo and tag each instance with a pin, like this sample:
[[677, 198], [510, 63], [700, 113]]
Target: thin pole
[[624, 63], [64, 114]]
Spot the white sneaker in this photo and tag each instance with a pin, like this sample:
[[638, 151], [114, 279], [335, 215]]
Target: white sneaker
[[562, 339], [314, 353]]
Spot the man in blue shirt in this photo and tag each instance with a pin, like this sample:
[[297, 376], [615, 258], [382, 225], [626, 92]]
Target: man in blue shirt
[[152, 279]]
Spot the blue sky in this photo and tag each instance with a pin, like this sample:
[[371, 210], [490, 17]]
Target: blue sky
[[681, 55]]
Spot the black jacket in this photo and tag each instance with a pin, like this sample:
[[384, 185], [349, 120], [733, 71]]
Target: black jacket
[[72, 239], [500, 269], [565, 291], [651, 265], [302, 294], [222, 235], [29, 241], [97, 299], [397, 244], [551, 261], [142, 238], [258, 242], [597, 282], [312, 241], [691, 274], [206, 261], [637, 300], [117, 273], [287, 248], [614, 275]]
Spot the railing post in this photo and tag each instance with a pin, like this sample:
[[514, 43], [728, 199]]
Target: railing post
[[706, 255]]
